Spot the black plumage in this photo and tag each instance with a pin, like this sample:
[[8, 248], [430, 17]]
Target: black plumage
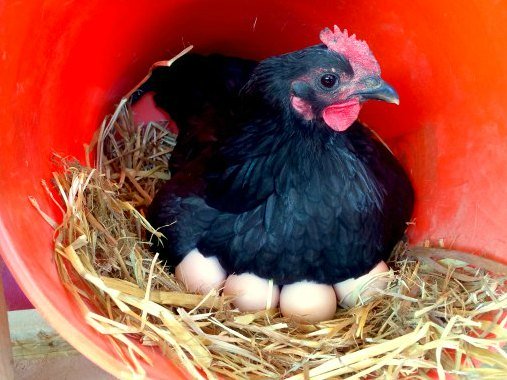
[[284, 197]]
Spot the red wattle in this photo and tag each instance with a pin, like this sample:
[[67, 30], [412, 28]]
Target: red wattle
[[340, 116]]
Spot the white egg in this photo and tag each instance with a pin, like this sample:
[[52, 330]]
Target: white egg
[[350, 291], [251, 292], [200, 274], [308, 301]]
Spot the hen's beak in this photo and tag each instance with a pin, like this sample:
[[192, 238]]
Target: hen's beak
[[376, 88]]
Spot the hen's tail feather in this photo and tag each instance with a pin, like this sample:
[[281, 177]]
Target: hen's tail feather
[[201, 94]]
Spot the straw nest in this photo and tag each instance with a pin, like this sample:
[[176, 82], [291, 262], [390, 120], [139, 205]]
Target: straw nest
[[442, 312]]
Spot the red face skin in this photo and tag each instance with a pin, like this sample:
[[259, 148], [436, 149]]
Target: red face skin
[[302, 107], [343, 107]]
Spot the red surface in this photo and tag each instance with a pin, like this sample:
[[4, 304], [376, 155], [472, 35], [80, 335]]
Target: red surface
[[63, 64]]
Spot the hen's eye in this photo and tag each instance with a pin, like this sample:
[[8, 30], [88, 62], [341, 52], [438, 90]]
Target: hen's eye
[[328, 80]]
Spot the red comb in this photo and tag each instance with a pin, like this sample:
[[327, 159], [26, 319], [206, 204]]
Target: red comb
[[356, 51]]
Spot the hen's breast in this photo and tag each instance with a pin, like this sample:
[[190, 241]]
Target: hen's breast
[[320, 210]]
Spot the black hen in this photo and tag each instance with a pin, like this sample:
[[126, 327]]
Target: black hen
[[299, 191]]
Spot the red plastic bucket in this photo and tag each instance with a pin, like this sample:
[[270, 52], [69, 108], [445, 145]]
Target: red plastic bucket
[[63, 65]]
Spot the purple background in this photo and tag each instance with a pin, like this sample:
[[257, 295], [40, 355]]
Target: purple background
[[16, 300]]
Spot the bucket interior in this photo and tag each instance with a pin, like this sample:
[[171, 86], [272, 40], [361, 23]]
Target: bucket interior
[[64, 65]]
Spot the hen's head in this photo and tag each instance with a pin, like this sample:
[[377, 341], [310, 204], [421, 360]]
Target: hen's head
[[326, 82]]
